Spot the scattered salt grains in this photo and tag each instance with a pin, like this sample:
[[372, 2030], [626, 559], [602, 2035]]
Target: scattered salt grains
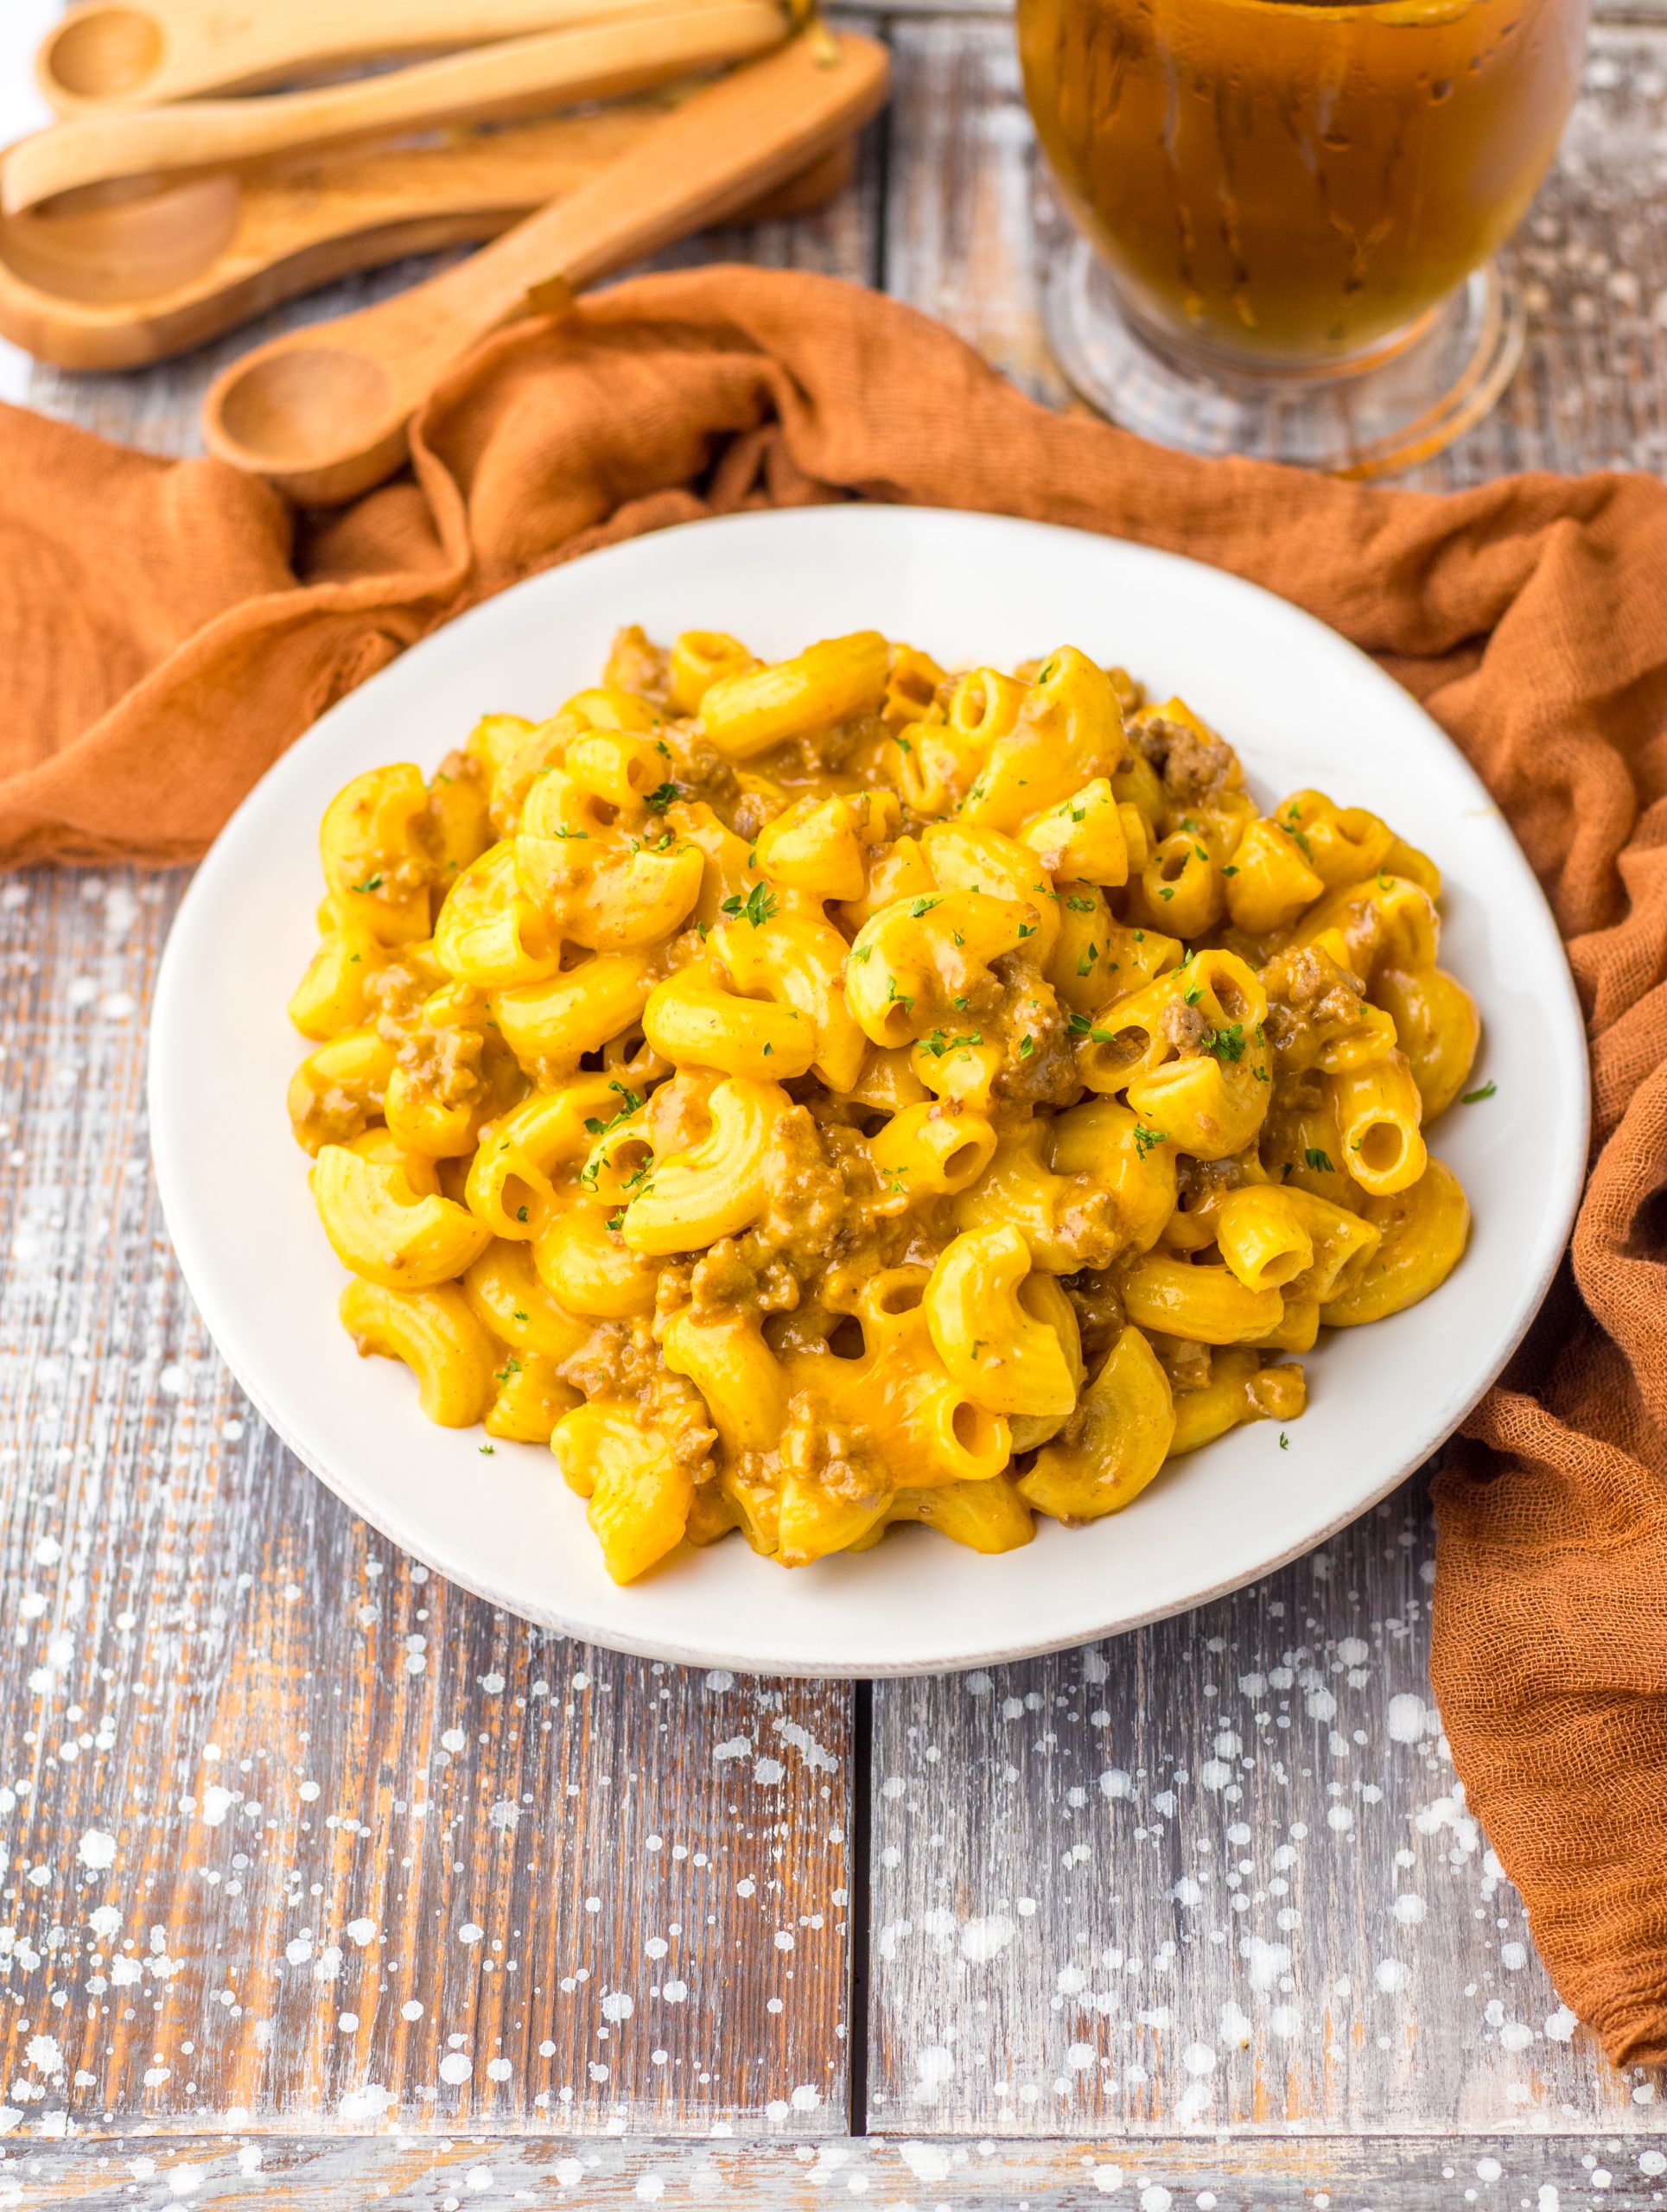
[[217, 1802], [1403, 1719]]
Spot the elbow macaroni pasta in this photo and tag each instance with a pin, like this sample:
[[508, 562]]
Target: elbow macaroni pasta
[[819, 1096]]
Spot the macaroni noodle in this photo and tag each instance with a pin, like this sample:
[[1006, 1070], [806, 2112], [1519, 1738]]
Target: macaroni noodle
[[819, 1096]]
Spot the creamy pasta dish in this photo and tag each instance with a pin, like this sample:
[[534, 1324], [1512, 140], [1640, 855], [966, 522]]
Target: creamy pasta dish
[[816, 1096]]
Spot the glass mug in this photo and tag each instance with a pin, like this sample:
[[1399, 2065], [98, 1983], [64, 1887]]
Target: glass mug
[[1292, 209]]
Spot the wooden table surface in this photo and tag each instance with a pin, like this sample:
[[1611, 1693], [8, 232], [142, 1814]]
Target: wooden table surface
[[325, 1883]]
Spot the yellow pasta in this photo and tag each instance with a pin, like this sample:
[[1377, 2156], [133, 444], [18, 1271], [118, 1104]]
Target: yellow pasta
[[814, 1096]]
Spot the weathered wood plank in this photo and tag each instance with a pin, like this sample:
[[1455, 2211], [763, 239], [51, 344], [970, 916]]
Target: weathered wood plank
[[296, 1831], [969, 217], [1500, 2173], [1219, 1871]]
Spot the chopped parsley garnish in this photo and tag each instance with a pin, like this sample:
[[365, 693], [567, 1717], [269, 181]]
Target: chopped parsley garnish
[[1027, 1046], [1145, 1139], [504, 1373], [863, 954], [894, 997], [1284, 1441], [1193, 996], [371, 883], [923, 906], [1225, 1043], [1475, 1098], [756, 908], [1080, 1025], [630, 1103], [1320, 1161], [488, 1448], [521, 1213], [662, 797], [1088, 959], [616, 1221], [1027, 929], [1078, 904], [1164, 890], [938, 1044], [575, 835]]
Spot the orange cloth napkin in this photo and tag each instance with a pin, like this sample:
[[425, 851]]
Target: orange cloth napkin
[[166, 630]]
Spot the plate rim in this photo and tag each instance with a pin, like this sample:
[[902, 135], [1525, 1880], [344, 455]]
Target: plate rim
[[199, 1274]]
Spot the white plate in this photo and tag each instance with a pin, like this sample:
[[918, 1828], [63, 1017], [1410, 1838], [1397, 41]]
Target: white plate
[[1303, 708]]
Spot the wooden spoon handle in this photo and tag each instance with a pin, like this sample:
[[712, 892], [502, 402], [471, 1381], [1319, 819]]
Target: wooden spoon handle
[[323, 412], [737, 139], [592, 62], [108, 54]]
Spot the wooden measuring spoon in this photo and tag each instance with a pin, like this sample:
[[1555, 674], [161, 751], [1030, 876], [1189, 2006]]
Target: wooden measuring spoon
[[323, 412], [116, 53], [130, 280], [519, 77]]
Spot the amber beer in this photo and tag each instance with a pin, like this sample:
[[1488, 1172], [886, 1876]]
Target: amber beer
[[1288, 186]]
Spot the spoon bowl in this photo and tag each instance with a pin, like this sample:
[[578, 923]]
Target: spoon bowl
[[115, 245], [310, 409], [101, 54]]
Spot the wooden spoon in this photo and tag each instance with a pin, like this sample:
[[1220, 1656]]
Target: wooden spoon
[[116, 53], [130, 279], [519, 77], [323, 412]]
